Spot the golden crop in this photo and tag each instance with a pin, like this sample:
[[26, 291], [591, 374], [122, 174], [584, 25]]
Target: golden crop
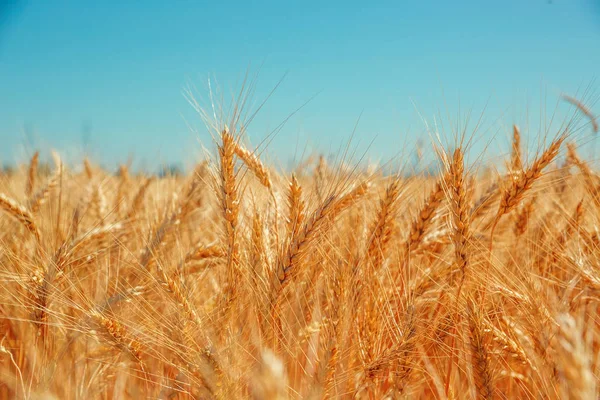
[[238, 281]]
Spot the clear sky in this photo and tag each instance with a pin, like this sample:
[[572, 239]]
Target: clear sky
[[109, 76]]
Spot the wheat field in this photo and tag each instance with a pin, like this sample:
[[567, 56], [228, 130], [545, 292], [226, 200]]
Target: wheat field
[[241, 281]]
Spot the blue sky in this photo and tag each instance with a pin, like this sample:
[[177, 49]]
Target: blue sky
[[108, 77]]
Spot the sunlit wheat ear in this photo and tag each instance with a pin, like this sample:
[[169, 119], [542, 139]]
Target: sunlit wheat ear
[[136, 204], [168, 221], [229, 206], [202, 252], [424, 217], [460, 219], [254, 164], [522, 217], [168, 283], [480, 358], [262, 174], [32, 173], [321, 218], [116, 334], [340, 293], [176, 292], [404, 364], [512, 195], [293, 263], [384, 224], [380, 234], [394, 361], [44, 278], [507, 343], [304, 238], [38, 199], [20, 213], [516, 157], [459, 209], [296, 209], [258, 254]]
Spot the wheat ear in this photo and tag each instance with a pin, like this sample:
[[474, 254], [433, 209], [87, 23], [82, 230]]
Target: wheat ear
[[296, 208], [384, 224], [479, 354], [32, 173], [522, 218], [424, 218], [136, 204], [116, 334], [459, 212], [516, 190], [35, 202], [516, 157], [325, 214], [254, 164], [20, 213]]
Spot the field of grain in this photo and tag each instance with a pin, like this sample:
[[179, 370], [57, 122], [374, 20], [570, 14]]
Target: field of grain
[[240, 281]]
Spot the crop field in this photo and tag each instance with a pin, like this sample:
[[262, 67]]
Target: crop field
[[238, 280]]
